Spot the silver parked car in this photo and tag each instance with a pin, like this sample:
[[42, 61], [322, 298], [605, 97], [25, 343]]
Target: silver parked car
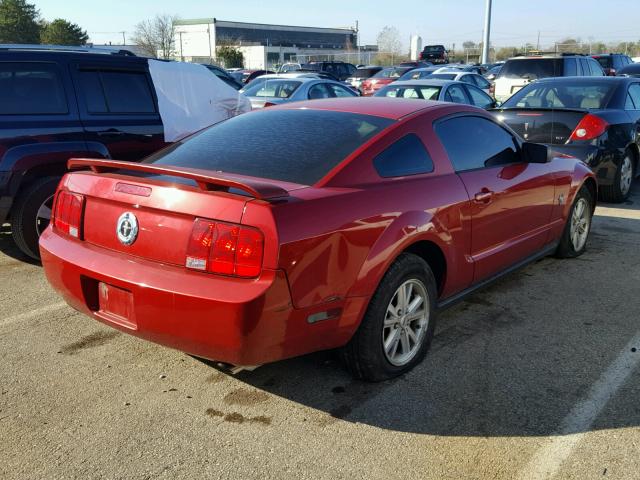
[[277, 90], [436, 89]]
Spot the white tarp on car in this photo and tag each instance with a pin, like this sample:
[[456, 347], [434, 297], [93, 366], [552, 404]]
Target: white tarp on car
[[190, 98]]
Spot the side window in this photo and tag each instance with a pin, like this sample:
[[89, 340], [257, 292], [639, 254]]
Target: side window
[[116, 92], [318, 91], [570, 67], [475, 142], [31, 89], [406, 156], [456, 94], [479, 98], [634, 93], [340, 91], [467, 79]]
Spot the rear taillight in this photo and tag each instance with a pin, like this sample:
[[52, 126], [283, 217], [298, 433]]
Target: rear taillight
[[590, 127], [67, 213], [225, 248], [269, 104], [492, 89]]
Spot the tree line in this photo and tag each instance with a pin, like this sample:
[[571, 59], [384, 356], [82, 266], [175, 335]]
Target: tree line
[[20, 22]]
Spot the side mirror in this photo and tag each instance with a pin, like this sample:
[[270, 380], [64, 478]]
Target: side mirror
[[535, 152]]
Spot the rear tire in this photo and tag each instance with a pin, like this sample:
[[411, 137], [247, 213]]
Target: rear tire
[[619, 190], [576, 231], [29, 214], [397, 328]]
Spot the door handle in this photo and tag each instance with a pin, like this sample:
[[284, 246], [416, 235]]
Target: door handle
[[483, 196], [110, 133]]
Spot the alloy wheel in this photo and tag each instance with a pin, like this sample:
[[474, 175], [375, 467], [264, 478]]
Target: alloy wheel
[[580, 223], [43, 217], [626, 175], [405, 322]]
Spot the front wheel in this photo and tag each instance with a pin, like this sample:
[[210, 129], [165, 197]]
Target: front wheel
[[31, 214], [397, 328], [576, 231]]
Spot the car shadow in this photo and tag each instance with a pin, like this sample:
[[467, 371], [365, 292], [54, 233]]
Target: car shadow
[[514, 359], [9, 248]]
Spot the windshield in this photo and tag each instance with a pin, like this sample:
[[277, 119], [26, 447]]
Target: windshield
[[272, 88], [252, 144], [532, 68], [589, 95], [392, 72], [411, 91]]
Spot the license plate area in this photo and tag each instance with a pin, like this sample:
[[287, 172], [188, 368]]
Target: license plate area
[[116, 305]]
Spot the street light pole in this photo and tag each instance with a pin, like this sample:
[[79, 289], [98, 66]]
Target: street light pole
[[487, 33]]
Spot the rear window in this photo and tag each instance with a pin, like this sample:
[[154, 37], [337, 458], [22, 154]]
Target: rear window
[[532, 69], [444, 76], [434, 49], [299, 146], [272, 88], [419, 92], [579, 94], [365, 72], [605, 62], [31, 89], [392, 72]]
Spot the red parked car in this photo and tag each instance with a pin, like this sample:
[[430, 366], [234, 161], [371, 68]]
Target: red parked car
[[383, 78], [228, 248]]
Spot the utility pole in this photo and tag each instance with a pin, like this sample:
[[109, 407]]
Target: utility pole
[[538, 44], [487, 33], [124, 40], [181, 54]]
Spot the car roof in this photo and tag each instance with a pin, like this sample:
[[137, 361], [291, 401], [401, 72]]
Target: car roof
[[586, 79], [424, 82], [52, 55], [391, 108]]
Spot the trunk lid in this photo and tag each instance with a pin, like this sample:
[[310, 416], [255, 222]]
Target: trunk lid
[[550, 126], [164, 213]]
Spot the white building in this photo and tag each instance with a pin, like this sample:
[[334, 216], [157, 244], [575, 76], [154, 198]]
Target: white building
[[263, 46]]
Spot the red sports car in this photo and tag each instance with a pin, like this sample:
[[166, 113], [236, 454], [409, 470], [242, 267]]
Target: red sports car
[[338, 223]]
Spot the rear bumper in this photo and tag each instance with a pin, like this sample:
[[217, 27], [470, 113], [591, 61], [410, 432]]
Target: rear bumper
[[604, 162], [237, 321]]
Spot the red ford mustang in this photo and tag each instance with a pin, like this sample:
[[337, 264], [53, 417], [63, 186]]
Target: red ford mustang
[[339, 223]]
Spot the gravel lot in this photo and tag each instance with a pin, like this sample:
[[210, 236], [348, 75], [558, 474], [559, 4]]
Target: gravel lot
[[533, 377]]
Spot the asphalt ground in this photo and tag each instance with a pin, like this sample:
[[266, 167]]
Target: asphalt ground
[[534, 377]]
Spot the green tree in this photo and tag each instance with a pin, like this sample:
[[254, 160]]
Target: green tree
[[230, 56], [62, 32], [19, 22]]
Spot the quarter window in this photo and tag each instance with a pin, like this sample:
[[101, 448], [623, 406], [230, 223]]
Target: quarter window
[[475, 142], [319, 91], [406, 156], [634, 93], [479, 98], [31, 89], [340, 91]]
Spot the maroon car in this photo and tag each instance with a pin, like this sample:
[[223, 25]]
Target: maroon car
[[240, 252]]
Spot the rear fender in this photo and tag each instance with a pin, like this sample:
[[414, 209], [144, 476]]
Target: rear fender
[[26, 157], [407, 229]]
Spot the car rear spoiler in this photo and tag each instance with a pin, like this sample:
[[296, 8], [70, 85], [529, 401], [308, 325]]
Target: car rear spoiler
[[203, 178]]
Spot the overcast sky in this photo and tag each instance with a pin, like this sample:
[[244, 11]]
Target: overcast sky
[[437, 21]]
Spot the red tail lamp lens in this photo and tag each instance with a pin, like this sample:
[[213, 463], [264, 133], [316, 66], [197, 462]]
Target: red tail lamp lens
[[67, 216], [225, 248], [590, 127]]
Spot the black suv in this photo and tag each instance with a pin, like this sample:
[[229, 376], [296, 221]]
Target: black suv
[[61, 103], [435, 54], [612, 62], [340, 70]]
